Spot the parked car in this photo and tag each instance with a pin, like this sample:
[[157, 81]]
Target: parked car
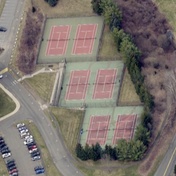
[[35, 153], [13, 171], [6, 155], [14, 174], [36, 158], [2, 146], [39, 169], [3, 29], [10, 161], [23, 134], [10, 165], [28, 137], [33, 149], [20, 125], [28, 141], [24, 130], [6, 150]]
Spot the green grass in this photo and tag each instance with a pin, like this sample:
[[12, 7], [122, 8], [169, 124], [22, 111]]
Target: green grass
[[47, 161], [108, 50], [2, 4], [3, 168], [42, 84], [6, 104], [128, 95], [126, 171], [70, 122]]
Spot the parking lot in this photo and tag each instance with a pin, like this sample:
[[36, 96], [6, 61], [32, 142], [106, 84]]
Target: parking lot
[[20, 152]]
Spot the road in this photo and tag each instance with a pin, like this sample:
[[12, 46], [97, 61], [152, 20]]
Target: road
[[29, 107], [10, 18], [166, 167]]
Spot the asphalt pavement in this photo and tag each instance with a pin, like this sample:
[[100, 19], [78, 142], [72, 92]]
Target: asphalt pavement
[[166, 167]]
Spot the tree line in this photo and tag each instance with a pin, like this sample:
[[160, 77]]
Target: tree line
[[29, 41], [134, 149]]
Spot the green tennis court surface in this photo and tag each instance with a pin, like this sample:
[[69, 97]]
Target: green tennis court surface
[[71, 39], [108, 125], [94, 84]]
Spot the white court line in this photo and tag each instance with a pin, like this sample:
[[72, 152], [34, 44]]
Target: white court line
[[49, 44]]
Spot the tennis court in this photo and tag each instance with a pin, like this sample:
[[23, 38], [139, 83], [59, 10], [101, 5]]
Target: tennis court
[[98, 129], [93, 84], [108, 125], [71, 39], [85, 37], [124, 127], [58, 40], [77, 86], [104, 84]]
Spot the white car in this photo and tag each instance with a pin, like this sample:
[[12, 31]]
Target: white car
[[22, 128], [28, 137], [24, 131], [20, 125], [24, 134], [28, 141], [6, 155], [1, 76], [36, 158]]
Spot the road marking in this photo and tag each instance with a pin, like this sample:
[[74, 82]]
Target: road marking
[[169, 162]]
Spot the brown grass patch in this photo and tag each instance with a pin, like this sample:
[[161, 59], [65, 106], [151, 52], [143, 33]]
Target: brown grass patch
[[66, 8], [42, 84], [128, 95], [108, 50], [70, 122]]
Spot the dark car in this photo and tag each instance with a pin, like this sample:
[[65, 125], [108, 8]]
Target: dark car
[[31, 144], [6, 150], [35, 153], [39, 170], [3, 29], [10, 161], [11, 168], [10, 165], [2, 146]]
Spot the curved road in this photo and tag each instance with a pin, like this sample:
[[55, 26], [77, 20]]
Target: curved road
[[29, 108]]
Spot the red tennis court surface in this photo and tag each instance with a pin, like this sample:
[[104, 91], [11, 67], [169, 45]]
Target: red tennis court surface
[[98, 129], [104, 84], [58, 40], [124, 127], [84, 40], [78, 84]]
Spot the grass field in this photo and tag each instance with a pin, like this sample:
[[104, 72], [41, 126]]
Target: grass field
[[108, 50], [66, 8], [46, 158], [124, 171], [42, 84], [3, 168], [128, 95], [70, 122], [6, 104], [168, 8]]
